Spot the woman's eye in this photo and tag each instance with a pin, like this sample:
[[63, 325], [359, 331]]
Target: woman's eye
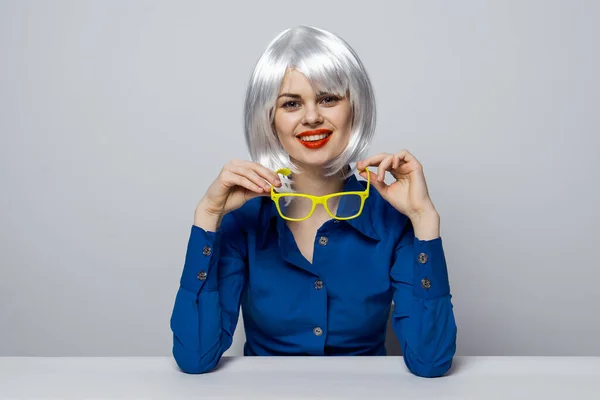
[[331, 98], [287, 105], [325, 100]]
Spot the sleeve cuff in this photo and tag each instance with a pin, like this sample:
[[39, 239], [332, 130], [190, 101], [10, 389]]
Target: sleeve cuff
[[199, 270], [431, 272]]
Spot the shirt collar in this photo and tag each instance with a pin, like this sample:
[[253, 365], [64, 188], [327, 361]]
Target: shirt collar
[[363, 223]]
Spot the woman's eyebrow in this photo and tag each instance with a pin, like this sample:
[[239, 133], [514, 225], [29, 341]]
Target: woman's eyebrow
[[292, 95], [297, 96]]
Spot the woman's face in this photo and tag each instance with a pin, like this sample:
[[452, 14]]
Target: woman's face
[[299, 110]]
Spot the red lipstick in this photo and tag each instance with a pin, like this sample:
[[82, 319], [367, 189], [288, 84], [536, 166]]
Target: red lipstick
[[315, 144]]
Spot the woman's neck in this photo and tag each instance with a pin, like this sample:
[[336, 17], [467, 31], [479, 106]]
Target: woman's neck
[[312, 180]]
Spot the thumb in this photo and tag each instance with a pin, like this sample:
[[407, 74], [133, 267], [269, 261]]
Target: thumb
[[250, 194], [381, 187], [263, 194]]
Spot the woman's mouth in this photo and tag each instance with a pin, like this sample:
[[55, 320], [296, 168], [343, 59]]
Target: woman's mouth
[[314, 139]]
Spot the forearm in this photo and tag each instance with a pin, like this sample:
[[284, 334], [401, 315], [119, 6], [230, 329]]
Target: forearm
[[427, 334], [426, 225], [205, 219], [198, 340], [423, 316], [196, 317], [207, 303]]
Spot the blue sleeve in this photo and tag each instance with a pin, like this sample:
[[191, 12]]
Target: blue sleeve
[[423, 319], [207, 303]]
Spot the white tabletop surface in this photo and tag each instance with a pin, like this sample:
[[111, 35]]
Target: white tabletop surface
[[298, 378]]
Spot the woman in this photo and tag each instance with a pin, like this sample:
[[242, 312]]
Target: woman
[[314, 279]]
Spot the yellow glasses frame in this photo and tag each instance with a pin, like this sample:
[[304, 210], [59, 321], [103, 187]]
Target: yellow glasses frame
[[319, 199]]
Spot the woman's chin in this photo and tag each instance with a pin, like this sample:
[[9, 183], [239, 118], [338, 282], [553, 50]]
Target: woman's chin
[[314, 159]]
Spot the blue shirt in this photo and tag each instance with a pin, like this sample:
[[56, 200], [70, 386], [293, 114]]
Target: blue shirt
[[338, 305]]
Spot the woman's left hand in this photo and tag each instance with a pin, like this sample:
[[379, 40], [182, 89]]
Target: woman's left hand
[[409, 193]]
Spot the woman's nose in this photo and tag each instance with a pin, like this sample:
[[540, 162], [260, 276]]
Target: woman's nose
[[312, 116]]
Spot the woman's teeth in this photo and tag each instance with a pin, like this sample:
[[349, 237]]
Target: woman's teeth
[[314, 137]]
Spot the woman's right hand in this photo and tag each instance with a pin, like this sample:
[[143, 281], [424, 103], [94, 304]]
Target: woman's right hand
[[238, 182]]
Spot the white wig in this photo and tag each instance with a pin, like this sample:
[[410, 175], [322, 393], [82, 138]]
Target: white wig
[[331, 66]]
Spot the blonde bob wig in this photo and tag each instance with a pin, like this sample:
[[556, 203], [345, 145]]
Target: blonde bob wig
[[332, 66]]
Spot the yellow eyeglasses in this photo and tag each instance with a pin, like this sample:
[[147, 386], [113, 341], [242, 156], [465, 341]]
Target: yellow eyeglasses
[[298, 206]]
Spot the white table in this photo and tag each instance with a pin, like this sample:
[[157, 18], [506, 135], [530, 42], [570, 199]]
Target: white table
[[299, 378]]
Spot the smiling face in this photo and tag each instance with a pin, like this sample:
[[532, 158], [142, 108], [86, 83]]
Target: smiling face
[[313, 128]]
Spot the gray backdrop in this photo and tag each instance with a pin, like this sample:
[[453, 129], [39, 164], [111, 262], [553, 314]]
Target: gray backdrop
[[115, 116]]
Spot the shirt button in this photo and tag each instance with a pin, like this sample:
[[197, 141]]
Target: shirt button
[[425, 283], [202, 275], [336, 221], [422, 258], [318, 331], [206, 250], [319, 284], [323, 240]]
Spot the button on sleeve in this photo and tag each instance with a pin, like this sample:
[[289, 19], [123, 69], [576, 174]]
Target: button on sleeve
[[423, 317], [431, 271], [199, 260], [206, 309]]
